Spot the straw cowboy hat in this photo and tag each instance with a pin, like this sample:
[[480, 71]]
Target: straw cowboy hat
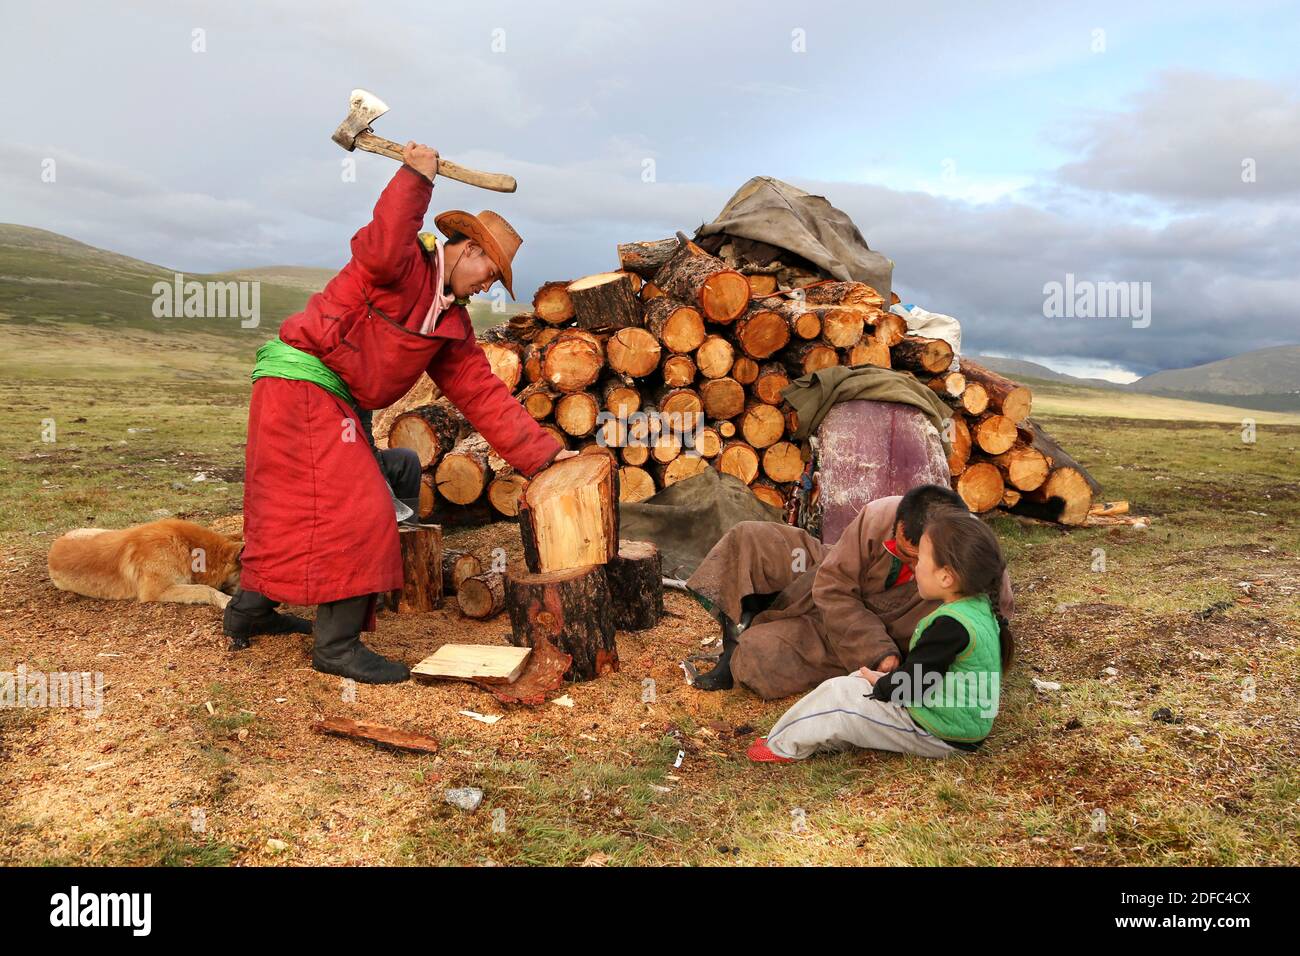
[[496, 237]]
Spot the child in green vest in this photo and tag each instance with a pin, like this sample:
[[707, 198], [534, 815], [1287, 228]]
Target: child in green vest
[[942, 698]]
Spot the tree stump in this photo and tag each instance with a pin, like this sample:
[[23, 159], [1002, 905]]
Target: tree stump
[[570, 608], [568, 513], [421, 570], [636, 585], [482, 596]]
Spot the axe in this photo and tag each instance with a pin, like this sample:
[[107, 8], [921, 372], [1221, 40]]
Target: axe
[[364, 108]]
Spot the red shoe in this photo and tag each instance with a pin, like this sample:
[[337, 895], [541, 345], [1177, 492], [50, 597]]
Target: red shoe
[[760, 752]]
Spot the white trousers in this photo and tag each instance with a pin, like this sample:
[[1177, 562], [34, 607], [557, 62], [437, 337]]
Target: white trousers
[[836, 716]]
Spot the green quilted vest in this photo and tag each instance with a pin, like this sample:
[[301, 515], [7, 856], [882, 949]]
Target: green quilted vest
[[963, 707]]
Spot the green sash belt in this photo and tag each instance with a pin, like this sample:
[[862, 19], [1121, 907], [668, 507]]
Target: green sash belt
[[276, 359]]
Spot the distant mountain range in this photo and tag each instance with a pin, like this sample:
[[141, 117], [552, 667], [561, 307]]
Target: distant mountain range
[[1267, 379]]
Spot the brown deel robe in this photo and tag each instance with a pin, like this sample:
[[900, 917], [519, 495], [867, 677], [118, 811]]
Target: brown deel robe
[[832, 614]]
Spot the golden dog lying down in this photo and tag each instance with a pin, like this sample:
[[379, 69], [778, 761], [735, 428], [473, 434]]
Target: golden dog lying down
[[168, 560]]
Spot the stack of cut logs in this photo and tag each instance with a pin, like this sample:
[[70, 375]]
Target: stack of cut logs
[[715, 339]]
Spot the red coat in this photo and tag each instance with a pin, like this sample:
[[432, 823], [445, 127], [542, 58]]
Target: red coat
[[318, 518]]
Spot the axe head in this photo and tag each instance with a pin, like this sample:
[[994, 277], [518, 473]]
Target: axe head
[[363, 109]]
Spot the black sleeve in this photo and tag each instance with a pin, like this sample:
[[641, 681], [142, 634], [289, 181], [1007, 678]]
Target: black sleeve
[[937, 648]]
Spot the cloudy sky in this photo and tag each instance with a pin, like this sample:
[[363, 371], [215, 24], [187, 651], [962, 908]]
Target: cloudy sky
[[987, 148]]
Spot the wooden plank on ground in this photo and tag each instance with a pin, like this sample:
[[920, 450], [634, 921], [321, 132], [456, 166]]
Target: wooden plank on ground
[[486, 663], [376, 733]]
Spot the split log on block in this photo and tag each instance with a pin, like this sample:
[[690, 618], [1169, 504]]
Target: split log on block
[[571, 608], [715, 356], [634, 484], [376, 733], [481, 663], [680, 468], [693, 276], [707, 443], [994, 434], [744, 370], [767, 491], [503, 492], [888, 327], [538, 400], [551, 303], [680, 327], [771, 380], [761, 333], [421, 570], [959, 440], [633, 351], [430, 431], [1066, 495], [844, 293], [646, 258], [619, 398], [636, 585], [981, 486], [761, 424], [948, 384], [783, 462], [761, 284], [650, 291], [576, 414], [922, 356], [738, 458], [428, 501], [463, 472], [1005, 396], [1024, 466], [973, 400], [482, 596], [568, 513], [678, 370], [572, 360], [842, 328], [869, 351], [456, 567], [423, 392], [605, 301], [809, 357], [506, 359], [722, 397]]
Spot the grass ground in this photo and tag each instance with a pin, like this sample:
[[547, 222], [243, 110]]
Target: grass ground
[[1188, 749]]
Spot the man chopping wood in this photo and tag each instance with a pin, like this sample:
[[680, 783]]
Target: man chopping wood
[[319, 513], [795, 612]]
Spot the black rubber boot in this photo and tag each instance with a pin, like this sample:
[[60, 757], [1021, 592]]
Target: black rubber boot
[[338, 648], [720, 677], [249, 613]]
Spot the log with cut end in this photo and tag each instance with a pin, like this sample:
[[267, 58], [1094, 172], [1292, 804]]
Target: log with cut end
[[959, 440], [738, 458], [869, 351], [744, 370], [922, 356], [948, 384], [646, 258], [684, 466], [636, 585], [605, 301], [809, 357], [1004, 396], [463, 472], [888, 327], [1066, 494], [783, 462], [551, 303], [571, 608], [1023, 465], [678, 402], [715, 356], [707, 442], [693, 276], [456, 567], [768, 492], [771, 381], [503, 492], [844, 293], [973, 400], [633, 352], [678, 370], [635, 483], [572, 360], [482, 596], [722, 398], [804, 322], [619, 398], [761, 424], [576, 414], [981, 486], [761, 283], [423, 392], [994, 434], [430, 431], [538, 400], [428, 498], [680, 327], [421, 588], [568, 513], [842, 328], [761, 333], [506, 361]]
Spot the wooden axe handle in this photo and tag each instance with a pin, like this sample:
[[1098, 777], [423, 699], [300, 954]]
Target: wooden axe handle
[[462, 174]]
